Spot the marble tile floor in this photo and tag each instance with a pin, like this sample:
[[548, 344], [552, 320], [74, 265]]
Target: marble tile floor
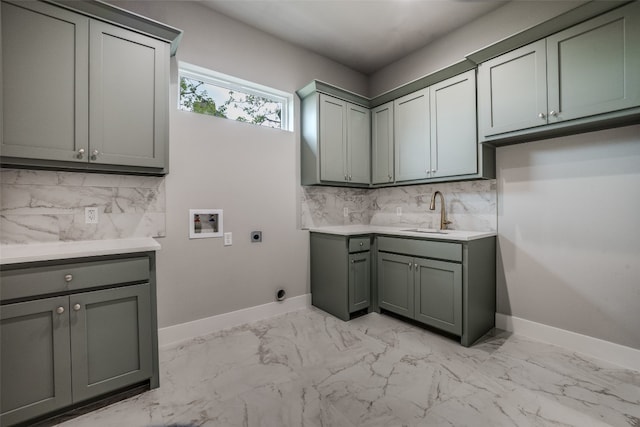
[[307, 368]]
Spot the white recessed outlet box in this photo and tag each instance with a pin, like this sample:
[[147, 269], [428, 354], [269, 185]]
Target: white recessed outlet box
[[228, 239], [345, 212], [91, 215]]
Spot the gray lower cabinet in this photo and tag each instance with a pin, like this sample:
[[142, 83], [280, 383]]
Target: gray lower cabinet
[[79, 93], [447, 285], [64, 350], [572, 78], [340, 273]]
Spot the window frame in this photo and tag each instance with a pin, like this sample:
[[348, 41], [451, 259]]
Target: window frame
[[235, 84]]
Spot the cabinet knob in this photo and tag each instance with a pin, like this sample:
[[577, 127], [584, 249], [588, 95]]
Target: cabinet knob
[[389, 178], [353, 261], [410, 265], [434, 170], [350, 178], [68, 277], [94, 154], [60, 310], [553, 113], [345, 177], [80, 153], [76, 307], [541, 115]]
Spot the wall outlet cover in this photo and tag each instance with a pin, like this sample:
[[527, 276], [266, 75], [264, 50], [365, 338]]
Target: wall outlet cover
[[91, 215], [228, 239]]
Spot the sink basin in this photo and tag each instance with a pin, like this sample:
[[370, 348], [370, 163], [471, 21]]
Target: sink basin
[[426, 230]]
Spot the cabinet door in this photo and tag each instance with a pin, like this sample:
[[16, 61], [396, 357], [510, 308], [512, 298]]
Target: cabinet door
[[411, 131], [359, 281], [44, 82], [333, 137], [382, 143], [34, 359], [128, 97], [454, 141], [512, 90], [111, 339], [358, 144], [594, 67], [438, 294], [395, 283]]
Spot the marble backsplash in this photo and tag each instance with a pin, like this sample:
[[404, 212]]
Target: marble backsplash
[[48, 206], [470, 205]]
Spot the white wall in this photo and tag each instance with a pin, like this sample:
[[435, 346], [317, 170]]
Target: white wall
[[569, 233], [250, 172]]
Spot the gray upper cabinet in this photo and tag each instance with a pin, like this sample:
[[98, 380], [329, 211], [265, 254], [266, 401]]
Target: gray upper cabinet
[[358, 144], [45, 52], [344, 141], [79, 93], [512, 90], [382, 144], [454, 141], [412, 136], [128, 97], [587, 70], [594, 67]]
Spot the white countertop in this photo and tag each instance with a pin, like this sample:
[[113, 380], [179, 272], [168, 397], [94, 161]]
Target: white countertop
[[13, 254], [452, 235]]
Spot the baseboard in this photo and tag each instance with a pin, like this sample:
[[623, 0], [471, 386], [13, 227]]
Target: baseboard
[[172, 335], [626, 357]]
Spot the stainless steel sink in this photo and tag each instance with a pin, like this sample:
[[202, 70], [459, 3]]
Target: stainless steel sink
[[426, 230]]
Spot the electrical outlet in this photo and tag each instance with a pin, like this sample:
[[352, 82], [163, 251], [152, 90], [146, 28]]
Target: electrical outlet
[[91, 215], [228, 239], [399, 211], [345, 212]]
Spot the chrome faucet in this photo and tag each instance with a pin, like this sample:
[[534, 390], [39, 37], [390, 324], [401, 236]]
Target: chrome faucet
[[443, 213]]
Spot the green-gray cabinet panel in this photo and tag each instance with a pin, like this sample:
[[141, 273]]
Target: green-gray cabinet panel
[[45, 53], [359, 281], [382, 144], [35, 360], [593, 67], [450, 251], [512, 90], [333, 139], [396, 283], [128, 97], [438, 294], [358, 144], [110, 339], [454, 140], [340, 281], [411, 130]]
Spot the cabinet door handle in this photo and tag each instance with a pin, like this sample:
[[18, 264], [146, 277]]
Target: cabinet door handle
[[68, 277], [553, 113], [94, 154], [76, 307], [80, 153], [541, 115], [353, 261], [60, 310], [410, 265], [389, 178]]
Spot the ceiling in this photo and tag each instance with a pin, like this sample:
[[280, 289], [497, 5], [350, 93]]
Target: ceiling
[[365, 35]]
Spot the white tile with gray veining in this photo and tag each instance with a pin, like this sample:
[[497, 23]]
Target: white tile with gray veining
[[46, 206], [308, 368], [470, 205]]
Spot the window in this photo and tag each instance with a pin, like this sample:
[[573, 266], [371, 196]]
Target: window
[[208, 92]]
